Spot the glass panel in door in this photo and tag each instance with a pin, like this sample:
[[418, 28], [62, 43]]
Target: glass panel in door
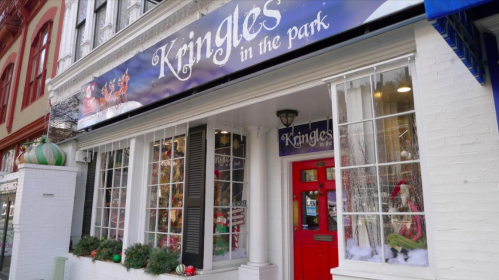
[[310, 210]]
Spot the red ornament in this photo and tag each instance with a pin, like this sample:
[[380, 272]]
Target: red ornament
[[94, 252], [190, 270]]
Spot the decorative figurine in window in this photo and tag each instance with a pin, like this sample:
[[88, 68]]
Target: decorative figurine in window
[[410, 235], [221, 221]]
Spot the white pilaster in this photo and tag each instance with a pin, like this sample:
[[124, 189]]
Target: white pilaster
[[258, 266], [42, 219], [111, 14], [87, 43], [134, 10], [68, 36]]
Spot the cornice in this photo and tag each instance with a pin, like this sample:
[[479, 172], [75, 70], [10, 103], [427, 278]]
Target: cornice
[[137, 36], [23, 133]]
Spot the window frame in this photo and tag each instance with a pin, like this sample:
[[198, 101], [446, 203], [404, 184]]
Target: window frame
[[349, 267], [210, 203], [31, 88], [98, 9], [5, 87], [144, 3], [120, 5], [145, 209], [80, 28], [99, 187], [11, 151]]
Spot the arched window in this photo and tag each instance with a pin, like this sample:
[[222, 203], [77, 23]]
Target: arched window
[[37, 70], [4, 91]]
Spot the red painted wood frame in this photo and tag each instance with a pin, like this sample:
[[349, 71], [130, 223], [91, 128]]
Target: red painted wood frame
[[5, 80], [37, 70], [315, 248]]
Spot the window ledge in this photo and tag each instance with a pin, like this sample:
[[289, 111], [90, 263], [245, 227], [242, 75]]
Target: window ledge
[[217, 270], [374, 276]]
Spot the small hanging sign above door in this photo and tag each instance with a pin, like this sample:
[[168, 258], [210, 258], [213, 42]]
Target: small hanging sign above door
[[306, 138]]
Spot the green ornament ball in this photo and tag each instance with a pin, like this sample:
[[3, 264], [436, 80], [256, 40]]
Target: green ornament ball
[[117, 258]]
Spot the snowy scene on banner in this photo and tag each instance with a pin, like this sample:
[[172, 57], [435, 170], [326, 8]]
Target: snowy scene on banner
[[236, 36]]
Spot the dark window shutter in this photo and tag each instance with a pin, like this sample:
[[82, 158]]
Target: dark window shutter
[[89, 197], [193, 237]]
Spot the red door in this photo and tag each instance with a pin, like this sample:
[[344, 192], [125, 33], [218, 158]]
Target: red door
[[314, 219]]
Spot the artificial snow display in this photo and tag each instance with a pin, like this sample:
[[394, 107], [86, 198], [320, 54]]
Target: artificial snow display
[[417, 257], [239, 253], [357, 253]]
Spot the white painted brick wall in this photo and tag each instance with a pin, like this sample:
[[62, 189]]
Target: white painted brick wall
[[82, 268], [42, 224], [80, 190], [463, 160]]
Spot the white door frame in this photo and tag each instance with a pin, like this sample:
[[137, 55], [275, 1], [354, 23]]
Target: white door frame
[[287, 206]]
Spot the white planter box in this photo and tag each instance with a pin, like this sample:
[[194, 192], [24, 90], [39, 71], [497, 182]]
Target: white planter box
[[82, 268]]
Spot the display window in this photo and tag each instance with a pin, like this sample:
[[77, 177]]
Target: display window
[[111, 194], [230, 230], [8, 160], [165, 193], [383, 211]]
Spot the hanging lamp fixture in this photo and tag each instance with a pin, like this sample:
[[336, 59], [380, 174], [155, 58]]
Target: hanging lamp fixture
[[287, 116]]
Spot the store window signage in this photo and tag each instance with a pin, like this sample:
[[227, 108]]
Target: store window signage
[[311, 208], [306, 138], [222, 161], [238, 35]]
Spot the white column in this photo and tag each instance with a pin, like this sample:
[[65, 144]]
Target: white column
[[258, 266], [258, 255]]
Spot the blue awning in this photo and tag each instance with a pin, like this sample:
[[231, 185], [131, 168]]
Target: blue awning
[[462, 38], [440, 8], [451, 19]]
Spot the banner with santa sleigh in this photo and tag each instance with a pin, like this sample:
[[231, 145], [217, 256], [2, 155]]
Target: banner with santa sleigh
[[238, 35], [110, 103]]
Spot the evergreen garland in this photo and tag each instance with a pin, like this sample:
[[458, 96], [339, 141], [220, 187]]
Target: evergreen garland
[[137, 256], [107, 249], [86, 245], [162, 260]]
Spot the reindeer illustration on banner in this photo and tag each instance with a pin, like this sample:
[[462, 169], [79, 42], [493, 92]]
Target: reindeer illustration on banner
[[112, 97], [124, 86]]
